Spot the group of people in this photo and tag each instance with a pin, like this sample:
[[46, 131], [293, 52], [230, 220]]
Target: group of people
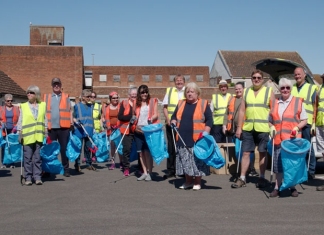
[[251, 115]]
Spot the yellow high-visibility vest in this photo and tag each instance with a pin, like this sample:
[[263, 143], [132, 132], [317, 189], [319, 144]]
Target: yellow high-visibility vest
[[96, 116], [172, 100], [220, 105]]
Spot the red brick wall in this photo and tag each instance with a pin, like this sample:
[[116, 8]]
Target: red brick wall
[[40, 35], [37, 65]]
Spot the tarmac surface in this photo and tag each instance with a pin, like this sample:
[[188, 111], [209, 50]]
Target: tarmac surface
[[105, 202]]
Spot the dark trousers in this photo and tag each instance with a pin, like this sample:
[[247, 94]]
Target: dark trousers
[[127, 148], [3, 147], [312, 162], [62, 136], [217, 132], [171, 160]]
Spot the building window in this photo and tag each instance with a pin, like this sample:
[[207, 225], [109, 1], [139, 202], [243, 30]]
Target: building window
[[116, 78], [171, 78], [187, 78], [199, 78], [131, 77], [145, 78], [158, 78], [102, 78]]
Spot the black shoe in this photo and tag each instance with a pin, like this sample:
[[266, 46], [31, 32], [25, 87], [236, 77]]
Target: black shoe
[[169, 175], [46, 175], [311, 176], [66, 173], [253, 173], [78, 169]]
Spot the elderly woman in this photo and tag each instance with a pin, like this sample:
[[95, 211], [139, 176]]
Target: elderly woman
[[82, 115], [32, 127], [286, 121], [110, 121], [192, 117], [9, 115], [146, 111]]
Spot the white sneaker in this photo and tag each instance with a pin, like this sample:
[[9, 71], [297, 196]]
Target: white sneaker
[[184, 186], [142, 177], [196, 187], [148, 177]]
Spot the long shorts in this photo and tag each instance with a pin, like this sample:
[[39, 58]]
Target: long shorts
[[251, 139], [141, 144]]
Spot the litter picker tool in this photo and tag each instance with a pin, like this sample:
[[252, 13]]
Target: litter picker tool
[[272, 154], [93, 149], [238, 160], [120, 142], [176, 129], [174, 143]]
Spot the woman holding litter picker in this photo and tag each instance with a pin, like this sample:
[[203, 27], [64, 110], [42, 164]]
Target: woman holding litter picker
[[146, 111], [84, 128], [287, 118], [192, 118], [110, 122]]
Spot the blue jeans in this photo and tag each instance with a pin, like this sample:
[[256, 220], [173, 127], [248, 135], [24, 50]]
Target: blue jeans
[[312, 162]]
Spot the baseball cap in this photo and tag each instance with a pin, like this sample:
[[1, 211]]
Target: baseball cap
[[56, 80]]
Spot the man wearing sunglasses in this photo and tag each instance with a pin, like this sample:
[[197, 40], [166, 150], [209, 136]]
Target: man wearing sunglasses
[[307, 91], [254, 112], [60, 120]]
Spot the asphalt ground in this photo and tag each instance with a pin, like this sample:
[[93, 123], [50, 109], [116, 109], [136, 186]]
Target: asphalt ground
[[105, 202]]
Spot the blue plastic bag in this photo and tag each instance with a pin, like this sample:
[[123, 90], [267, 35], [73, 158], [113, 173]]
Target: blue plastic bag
[[73, 148], [207, 150], [50, 162], [12, 149], [269, 147], [133, 155], [116, 137], [237, 143], [102, 143], [155, 140], [293, 157]]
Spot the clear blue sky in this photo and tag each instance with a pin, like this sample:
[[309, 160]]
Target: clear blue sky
[[172, 32]]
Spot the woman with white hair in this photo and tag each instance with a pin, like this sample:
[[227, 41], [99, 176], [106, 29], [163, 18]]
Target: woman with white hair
[[32, 127], [287, 117], [9, 115]]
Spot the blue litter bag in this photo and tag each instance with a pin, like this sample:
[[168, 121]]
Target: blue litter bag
[[73, 148], [269, 147], [50, 162], [102, 143], [12, 149], [293, 155], [155, 140], [207, 150], [116, 137], [237, 143], [133, 155]]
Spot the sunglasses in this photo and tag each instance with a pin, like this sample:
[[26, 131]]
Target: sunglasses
[[285, 87], [30, 92], [88, 96], [92, 96], [8, 100], [259, 78], [144, 92]]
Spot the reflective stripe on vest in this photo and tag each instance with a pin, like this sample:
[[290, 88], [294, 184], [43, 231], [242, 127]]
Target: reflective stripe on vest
[[320, 108], [33, 130], [306, 93], [15, 117], [290, 119], [96, 116], [198, 117], [220, 108], [257, 109], [64, 110], [172, 100]]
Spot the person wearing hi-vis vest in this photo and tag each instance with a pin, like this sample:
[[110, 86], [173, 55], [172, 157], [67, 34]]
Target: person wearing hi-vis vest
[[255, 106], [307, 91], [170, 101], [320, 124], [32, 129], [60, 120], [96, 112], [218, 107], [287, 117]]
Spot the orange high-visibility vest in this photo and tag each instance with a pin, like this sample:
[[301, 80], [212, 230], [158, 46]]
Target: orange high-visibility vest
[[290, 119], [123, 125], [107, 118], [15, 117], [198, 117], [64, 110], [152, 103]]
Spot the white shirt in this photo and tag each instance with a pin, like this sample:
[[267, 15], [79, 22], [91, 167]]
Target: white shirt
[[166, 97]]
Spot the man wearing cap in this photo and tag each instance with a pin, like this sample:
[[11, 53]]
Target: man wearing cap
[[320, 124], [307, 91], [96, 112], [218, 107], [60, 120], [170, 101]]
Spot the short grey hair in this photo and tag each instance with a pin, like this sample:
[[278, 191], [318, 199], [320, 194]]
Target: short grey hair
[[285, 82], [132, 88], [192, 85], [8, 96], [36, 90], [86, 92]]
